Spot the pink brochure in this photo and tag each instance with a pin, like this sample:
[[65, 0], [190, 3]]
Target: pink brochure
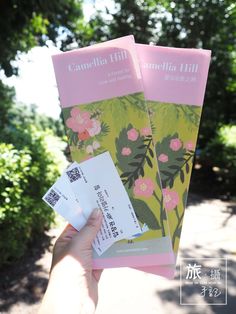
[[103, 106], [174, 86]]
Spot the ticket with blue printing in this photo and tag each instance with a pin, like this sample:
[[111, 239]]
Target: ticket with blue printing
[[95, 183]]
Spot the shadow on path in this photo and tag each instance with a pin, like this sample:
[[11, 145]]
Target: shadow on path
[[25, 281]]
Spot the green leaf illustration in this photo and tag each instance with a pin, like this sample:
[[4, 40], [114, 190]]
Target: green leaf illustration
[[139, 156], [178, 232], [144, 214], [149, 162], [151, 152], [123, 141], [174, 167], [176, 162], [187, 168], [141, 172], [135, 164], [171, 182], [141, 146], [182, 176], [132, 164], [173, 112], [104, 128], [125, 174], [184, 197]]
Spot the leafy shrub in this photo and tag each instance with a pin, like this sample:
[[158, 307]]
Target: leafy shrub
[[27, 169], [220, 155]]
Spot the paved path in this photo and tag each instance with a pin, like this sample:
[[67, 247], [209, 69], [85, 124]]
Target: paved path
[[208, 231]]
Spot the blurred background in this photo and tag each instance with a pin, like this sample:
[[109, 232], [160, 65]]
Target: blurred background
[[33, 146]]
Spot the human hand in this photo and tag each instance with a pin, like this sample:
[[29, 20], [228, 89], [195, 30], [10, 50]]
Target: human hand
[[73, 284]]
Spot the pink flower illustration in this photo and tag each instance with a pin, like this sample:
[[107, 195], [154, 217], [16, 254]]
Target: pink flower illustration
[[89, 149], [175, 144], [163, 158], [126, 151], [79, 121], [132, 134], [95, 128], [83, 135], [146, 131], [171, 199], [144, 187], [96, 145], [189, 145]]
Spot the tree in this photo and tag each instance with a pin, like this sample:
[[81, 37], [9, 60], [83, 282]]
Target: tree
[[25, 24], [209, 24]]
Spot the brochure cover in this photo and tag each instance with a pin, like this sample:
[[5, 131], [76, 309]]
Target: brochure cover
[[174, 86], [103, 106]]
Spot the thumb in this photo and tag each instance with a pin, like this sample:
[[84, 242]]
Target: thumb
[[90, 230]]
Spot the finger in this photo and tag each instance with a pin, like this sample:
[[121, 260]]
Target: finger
[[97, 274], [90, 230], [68, 233]]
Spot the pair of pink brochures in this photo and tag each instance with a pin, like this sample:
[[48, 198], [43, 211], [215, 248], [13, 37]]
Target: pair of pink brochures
[[143, 105]]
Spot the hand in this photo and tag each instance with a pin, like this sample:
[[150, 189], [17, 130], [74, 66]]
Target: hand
[[73, 284]]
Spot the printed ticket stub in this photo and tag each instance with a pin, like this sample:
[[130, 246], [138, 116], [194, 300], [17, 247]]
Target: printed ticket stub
[[61, 198], [96, 184]]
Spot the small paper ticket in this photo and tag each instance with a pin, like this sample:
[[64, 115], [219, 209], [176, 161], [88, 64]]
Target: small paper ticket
[[62, 199], [96, 184]]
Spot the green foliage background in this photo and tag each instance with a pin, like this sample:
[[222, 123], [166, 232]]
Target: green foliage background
[[31, 159]]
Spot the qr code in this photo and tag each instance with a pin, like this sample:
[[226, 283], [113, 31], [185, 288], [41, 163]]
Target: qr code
[[73, 174], [52, 197]]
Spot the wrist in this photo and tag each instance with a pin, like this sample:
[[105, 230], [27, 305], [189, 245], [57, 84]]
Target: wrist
[[68, 284], [69, 270]]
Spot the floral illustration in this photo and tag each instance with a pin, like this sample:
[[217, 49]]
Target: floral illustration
[[79, 121], [95, 128], [171, 198], [96, 145], [189, 145], [85, 129], [144, 187], [174, 159], [91, 130], [126, 151], [178, 226], [146, 131], [82, 123], [175, 130], [133, 157], [163, 158], [91, 148], [175, 144], [132, 134], [83, 135]]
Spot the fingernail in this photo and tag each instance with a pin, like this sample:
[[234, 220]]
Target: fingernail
[[96, 213]]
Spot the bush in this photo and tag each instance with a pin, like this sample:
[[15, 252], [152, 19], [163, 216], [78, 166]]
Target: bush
[[27, 169], [220, 156]]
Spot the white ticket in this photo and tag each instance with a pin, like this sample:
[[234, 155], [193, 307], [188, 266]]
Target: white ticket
[[62, 199], [96, 184], [99, 178]]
